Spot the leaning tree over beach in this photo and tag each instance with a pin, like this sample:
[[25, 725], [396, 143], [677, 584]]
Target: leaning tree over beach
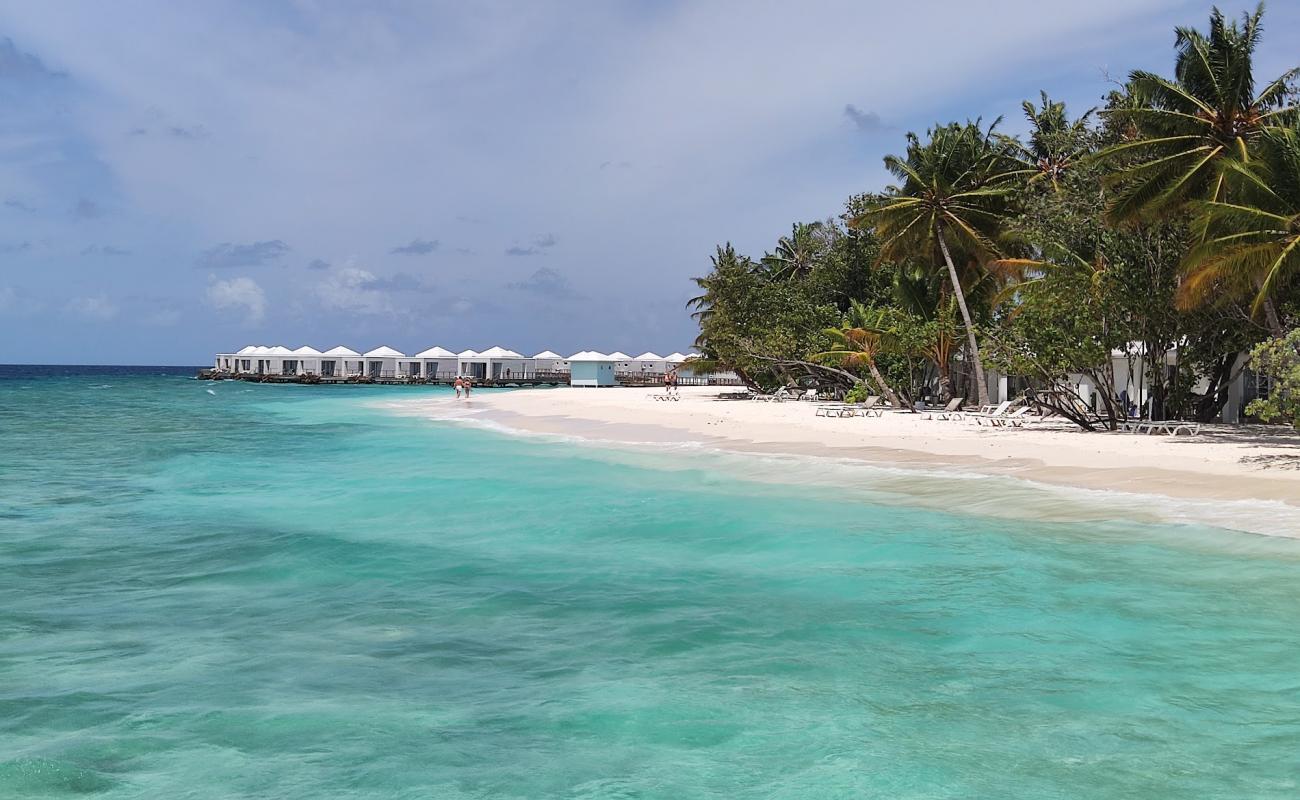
[[955, 193]]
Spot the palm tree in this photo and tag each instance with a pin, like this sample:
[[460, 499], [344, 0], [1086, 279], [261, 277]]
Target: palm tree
[[858, 342], [1181, 130], [955, 186], [796, 254], [1253, 242], [924, 295], [1055, 143]]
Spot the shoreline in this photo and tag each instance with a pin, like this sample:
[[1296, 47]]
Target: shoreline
[[1198, 472]]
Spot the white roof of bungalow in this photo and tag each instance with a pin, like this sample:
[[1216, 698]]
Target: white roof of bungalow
[[307, 351], [619, 355], [340, 351], [279, 350], [648, 356], [549, 354], [499, 352], [247, 351], [590, 355], [676, 358], [436, 352], [467, 354], [384, 351]]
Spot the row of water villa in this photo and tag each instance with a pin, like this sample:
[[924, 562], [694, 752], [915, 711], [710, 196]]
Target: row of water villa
[[495, 365]]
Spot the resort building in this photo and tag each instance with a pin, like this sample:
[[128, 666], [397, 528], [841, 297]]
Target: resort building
[[589, 368], [382, 362], [622, 362], [547, 362], [494, 362], [649, 364], [436, 362], [307, 362], [340, 362]]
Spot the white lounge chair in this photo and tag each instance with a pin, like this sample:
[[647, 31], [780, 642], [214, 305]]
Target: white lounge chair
[[998, 411], [950, 411], [1015, 418]]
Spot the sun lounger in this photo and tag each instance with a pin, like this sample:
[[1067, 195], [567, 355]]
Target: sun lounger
[[1015, 419], [837, 410], [1172, 427], [999, 410], [950, 411]]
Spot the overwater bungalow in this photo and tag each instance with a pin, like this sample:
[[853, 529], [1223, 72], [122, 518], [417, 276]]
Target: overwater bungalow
[[340, 362], [650, 364], [306, 361], [382, 362], [550, 362], [622, 362], [495, 362], [434, 363]]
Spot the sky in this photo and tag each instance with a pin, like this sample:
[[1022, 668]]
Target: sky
[[184, 178]]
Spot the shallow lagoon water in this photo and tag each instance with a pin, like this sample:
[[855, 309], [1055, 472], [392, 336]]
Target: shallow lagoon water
[[219, 590]]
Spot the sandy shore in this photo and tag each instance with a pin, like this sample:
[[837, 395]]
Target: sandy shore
[[1223, 463]]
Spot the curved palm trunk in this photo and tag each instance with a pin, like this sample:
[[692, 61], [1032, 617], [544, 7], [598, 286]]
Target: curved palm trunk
[[884, 387], [981, 380]]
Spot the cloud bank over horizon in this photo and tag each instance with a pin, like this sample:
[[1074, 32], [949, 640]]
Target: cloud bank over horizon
[[180, 180]]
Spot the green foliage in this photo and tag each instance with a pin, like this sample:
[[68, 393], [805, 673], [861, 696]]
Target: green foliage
[[1177, 132], [1279, 360], [1157, 232], [745, 313], [1251, 245]]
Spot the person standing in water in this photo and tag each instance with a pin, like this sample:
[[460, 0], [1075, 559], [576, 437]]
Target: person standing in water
[[468, 384], [458, 385]]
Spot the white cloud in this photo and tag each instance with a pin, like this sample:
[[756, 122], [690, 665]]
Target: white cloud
[[97, 307], [353, 289], [238, 294]]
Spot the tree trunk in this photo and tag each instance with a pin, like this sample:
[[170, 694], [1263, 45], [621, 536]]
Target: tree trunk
[[884, 387], [1272, 320], [981, 380], [945, 381]]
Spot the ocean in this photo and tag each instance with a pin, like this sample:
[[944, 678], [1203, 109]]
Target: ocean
[[213, 590]]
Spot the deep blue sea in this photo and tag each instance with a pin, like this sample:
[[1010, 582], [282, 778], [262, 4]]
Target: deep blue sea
[[227, 590]]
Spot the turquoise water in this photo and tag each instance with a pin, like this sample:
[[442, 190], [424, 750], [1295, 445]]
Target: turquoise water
[[281, 592]]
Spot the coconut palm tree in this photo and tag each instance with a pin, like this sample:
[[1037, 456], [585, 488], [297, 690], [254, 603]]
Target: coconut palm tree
[[954, 194], [1253, 242], [796, 254], [858, 342], [1179, 131], [1055, 144]]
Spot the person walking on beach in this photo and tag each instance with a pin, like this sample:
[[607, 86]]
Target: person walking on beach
[[458, 385], [468, 384]]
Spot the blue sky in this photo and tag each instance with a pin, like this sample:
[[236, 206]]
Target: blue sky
[[182, 178]]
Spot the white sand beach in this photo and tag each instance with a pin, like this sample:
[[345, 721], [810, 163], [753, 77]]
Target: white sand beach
[[1223, 462]]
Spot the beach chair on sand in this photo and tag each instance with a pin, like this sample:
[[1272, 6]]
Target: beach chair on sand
[[1015, 418], [836, 410], [950, 411], [1172, 427], [999, 410]]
